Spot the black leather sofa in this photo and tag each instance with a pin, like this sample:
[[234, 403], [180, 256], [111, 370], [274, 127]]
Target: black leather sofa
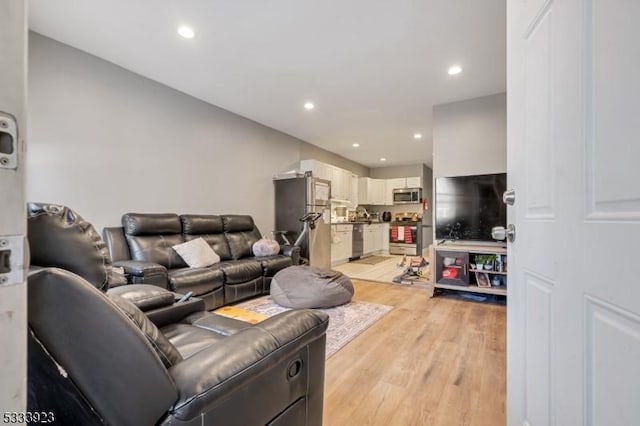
[[95, 358], [143, 247]]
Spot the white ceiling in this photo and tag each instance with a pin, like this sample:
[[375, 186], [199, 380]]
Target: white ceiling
[[373, 68]]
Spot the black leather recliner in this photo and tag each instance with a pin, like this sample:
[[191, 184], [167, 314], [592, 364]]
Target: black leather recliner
[[95, 358]]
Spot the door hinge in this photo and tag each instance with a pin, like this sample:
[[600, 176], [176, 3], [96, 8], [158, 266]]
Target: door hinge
[[12, 260], [8, 141]]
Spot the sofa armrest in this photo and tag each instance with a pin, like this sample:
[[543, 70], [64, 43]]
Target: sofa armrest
[[292, 251], [140, 272], [145, 297], [275, 350]]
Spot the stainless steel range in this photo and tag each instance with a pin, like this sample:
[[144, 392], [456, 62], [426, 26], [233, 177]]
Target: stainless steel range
[[405, 237]]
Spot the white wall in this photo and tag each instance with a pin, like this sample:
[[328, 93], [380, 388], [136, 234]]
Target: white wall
[[396, 171], [470, 137], [106, 141]]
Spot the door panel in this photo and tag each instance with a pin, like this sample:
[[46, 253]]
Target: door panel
[[539, 140], [613, 107], [574, 305], [13, 291], [537, 349], [607, 389]]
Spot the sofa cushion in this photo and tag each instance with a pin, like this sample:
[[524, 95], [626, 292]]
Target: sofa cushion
[[222, 325], [218, 243], [241, 234], [156, 249], [240, 271], [188, 339], [198, 280], [237, 222], [194, 224], [144, 297], [167, 353], [197, 253], [240, 243], [208, 227], [272, 264], [151, 223]]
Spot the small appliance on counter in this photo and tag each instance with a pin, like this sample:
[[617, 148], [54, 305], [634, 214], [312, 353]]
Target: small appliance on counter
[[339, 214], [386, 216], [374, 217], [362, 214]]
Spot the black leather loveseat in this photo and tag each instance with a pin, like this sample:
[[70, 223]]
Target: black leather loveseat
[[143, 247], [95, 358]]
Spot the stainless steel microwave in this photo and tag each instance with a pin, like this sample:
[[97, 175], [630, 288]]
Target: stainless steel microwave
[[407, 195]]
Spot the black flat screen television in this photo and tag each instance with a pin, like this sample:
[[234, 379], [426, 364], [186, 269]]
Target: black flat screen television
[[467, 207]]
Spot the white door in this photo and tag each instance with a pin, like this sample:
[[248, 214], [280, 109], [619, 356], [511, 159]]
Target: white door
[[13, 294], [573, 151]]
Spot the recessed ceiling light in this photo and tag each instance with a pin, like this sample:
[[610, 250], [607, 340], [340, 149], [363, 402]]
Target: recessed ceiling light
[[383, 159], [417, 136], [309, 106], [355, 145], [456, 69], [186, 32]]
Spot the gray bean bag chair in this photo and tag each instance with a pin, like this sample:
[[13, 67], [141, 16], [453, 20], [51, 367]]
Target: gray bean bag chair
[[309, 287]]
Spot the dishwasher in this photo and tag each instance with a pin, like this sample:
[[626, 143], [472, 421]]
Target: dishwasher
[[357, 248]]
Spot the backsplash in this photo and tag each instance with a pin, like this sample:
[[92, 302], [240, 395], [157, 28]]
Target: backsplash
[[402, 208]]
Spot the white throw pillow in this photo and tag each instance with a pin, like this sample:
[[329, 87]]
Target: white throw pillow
[[197, 253]]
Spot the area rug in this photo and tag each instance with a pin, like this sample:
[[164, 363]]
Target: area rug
[[371, 260], [346, 322]]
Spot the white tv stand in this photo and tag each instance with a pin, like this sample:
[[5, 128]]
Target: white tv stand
[[451, 267]]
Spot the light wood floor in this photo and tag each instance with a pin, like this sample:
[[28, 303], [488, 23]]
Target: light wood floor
[[436, 362]]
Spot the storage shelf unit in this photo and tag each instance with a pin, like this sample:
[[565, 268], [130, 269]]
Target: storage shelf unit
[[452, 269]]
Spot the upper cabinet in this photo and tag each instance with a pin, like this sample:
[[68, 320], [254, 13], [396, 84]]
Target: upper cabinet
[[317, 168], [414, 182], [353, 200], [372, 191], [352, 190], [409, 182], [340, 179]]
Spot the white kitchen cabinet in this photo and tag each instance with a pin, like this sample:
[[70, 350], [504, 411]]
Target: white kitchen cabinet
[[341, 243], [371, 191], [379, 189], [388, 195], [385, 238], [408, 182], [317, 168], [414, 182], [372, 238], [397, 183], [367, 240], [340, 184], [363, 190], [340, 178], [353, 197]]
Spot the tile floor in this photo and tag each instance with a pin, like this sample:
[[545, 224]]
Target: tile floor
[[384, 271]]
